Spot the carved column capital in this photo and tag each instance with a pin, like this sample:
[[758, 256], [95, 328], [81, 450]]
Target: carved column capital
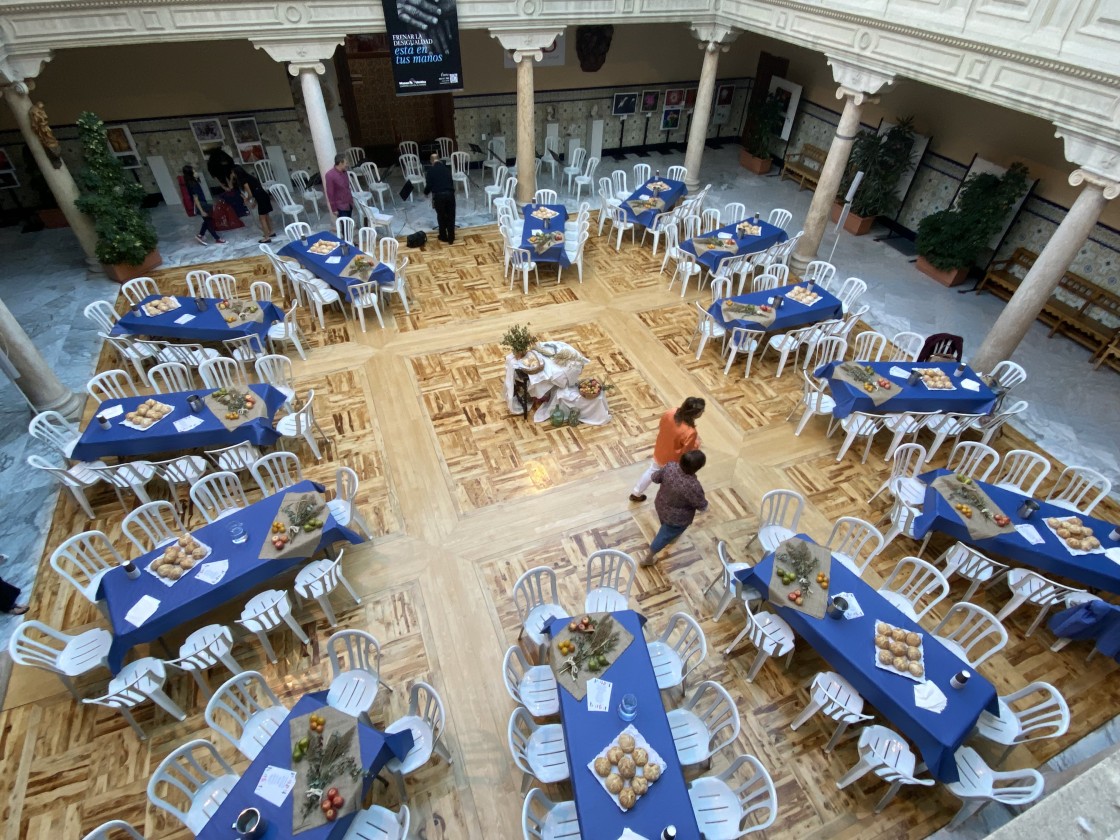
[[22, 67], [857, 96], [1110, 188], [301, 55], [714, 37], [1097, 157], [857, 78], [527, 43]]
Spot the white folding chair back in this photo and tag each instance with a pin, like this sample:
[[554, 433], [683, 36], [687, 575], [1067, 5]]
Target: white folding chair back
[[536, 597], [734, 211], [344, 228], [833, 696], [854, 542], [223, 372], [1079, 489], [1006, 375], [610, 574], [297, 230], [1033, 713], [222, 286], [102, 314], [152, 525], [677, 651], [914, 587], [978, 783], [779, 217], [276, 370], [676, 173], [276, 471], [971, 632], [318, 579], [56, 431], [112, 384], [266, 611], [869, 346], [217, 495], [778, 516], [204, 789], [850, 292], [888, 756], [234, 458], [705, 724], [544, 196], [709, 220], [138, 288], [84, 559], [169, 377], [1022, 471], [972, 459], [905, 347], [137, 682]]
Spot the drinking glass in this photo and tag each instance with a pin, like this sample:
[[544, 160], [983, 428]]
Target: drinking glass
[[237, 533], [628, 708]]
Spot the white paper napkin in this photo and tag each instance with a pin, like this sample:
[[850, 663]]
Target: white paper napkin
[[184, 319], [110, 413], [627, 834], [928, 696], [275, 784], [899, 372], [970, 384], [333, 260], [1030, 534], [212, 572], [853, 610], [185, 424], [142, 610], [598, 695], [1113, 554]]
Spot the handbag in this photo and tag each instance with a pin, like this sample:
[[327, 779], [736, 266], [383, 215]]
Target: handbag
[[416, 240]]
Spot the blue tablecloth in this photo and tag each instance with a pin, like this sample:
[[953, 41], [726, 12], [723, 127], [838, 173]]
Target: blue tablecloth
[[848, 646], [1049, 557], [334, 273], [791, 314], [916, 397], [189, 598], [770, 235], [555, 254], [670, 197], [121, 440], [206, 324], [377, 748], [1098, 621], [586, 733]]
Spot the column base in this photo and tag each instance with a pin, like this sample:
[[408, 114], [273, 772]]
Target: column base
[[94, 269], [69, 404], [798, 264], [692, 183]]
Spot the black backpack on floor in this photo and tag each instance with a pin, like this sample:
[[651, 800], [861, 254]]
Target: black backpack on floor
[[416, 240]]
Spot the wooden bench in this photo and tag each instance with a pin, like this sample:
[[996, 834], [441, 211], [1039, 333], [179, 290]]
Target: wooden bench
[[1082, 319], [805, 166]]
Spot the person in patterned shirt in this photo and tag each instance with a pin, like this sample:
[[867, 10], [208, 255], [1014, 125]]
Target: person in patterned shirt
[[679, 497]]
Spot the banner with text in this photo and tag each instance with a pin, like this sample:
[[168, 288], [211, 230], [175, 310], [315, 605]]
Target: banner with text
[[424, 37]]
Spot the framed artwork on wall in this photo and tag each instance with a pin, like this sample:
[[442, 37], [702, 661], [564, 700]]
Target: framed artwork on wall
[[690, 98], [625, 104], [724, 94], [790, 94], [650, 98], [674, 97], [670, 119], [8, 178], [122, 146], [208, 134], [247, 139]]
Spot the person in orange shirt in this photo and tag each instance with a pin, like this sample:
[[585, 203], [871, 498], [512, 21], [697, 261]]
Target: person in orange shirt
[[676, 435]]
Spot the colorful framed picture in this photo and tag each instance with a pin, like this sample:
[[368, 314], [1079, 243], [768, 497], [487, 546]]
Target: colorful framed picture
[[650, 100], [624, 104], [690, 98], [724, 94], [122, 146], [674, 98], [670, 119], [247, 139], [208, 134]]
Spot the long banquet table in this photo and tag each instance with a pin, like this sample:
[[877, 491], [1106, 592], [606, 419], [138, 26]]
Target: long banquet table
[[736, 244], [665, 200], [848, 647], [188, 598], [915, 397], [791, 314], [190, 323], [586, 733], [336, 268], [555, 252]]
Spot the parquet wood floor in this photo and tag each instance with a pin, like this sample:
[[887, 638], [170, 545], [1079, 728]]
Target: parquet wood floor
[[463, 499]]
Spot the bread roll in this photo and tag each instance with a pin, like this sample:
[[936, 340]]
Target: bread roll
[[882, 642], [898, 635], [914, 654], [882, 628], [614, 755], [184, 541], [627, 798], [1064, 533], [626, 767], [174, 572], [916, 669], [614, 783], [639, 785], [626, 742], [641, 757], [900, 663], [885, 657], [652, 771], [913, 639], [603, 766], [898, 648]]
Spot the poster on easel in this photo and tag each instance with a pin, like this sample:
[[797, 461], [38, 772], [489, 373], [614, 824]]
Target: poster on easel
[[8, 178], [424, 38], [208, 134], [789, 94], [247, 139]]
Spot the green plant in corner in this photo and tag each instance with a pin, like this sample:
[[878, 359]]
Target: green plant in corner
[[518, 339], [883, 159], [762, 124], [955, 237], [112, 199]]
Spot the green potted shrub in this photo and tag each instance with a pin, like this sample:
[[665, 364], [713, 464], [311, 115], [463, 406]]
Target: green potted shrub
[[763, 123], [884, 159], [126, 239], [519, 340], [949, 241]]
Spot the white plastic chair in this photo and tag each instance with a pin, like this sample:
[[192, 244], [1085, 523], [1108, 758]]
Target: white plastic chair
[[902, 518], [575, 167], [889, 757], [704, 725], [222, 286], [676, 173], [869, 346], [677, 652], [732, 587], [113, 384], [574, 253], [1079, 489], [786, 343], [544, 196], [970, 564], [276, 471], [494, 190], [234, 459], [202, 650], [1016, 472], [1006, 375], [779, 217], [138, 288], [266, 611], [218, 495], [543, 819], [76, 479], [361, 196], [355, 155], [56, 431], [84, 559], [1031, 587], [138, 681], [849, 539], [532, 686], [906, 463], [971, 632], [779, 513], [746, 342], [318, 579], [408, 147], [342, 505], [105, 831], [729, 805], [859, 424], [850, 292], [769, 633], [302, 424], [102, 313], [832, 695], [150, 526], [950, 424], [399, 284], [264, 173], [320, 298], [904, 424], [972, 459], [367, 240], [131, 351], [978, 784], [914, 587], [587, 178], [365, 296], [378, 823], [130, 476], [413, 172], [377, 188], [344, 229], [707, 328], [170, 377], [905, 347], [204, 790], [301, 180], [687, 267], [537, 601], [223, 372], [426, 720], [297, 230], [538, 751], [1044, 715], [288, 206], [38, 645], [355, 672], [276, 370], [610, 574], [709, 220]]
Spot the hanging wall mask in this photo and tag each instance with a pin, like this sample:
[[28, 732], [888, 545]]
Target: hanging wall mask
[[592, 43]]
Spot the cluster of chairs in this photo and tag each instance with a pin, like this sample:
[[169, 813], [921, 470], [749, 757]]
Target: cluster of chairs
[[740, 800], [511, 227], [366, 184], [915, 587]]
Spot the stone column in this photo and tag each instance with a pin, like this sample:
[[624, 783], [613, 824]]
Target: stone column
[[526, 47], [1023, 307], [713, 40], [36, 379], [857, 87]]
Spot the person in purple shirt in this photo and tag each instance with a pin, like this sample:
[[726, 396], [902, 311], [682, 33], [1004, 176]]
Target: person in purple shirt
[[678, 498], [339, 197]]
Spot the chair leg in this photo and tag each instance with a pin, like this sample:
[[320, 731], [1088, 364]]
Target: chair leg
[[811, 709], [862, 768], [969, 808], [888, 796], [724, 602], [1041, 615], [203, 686], [401, 791], [231, 663], [66, 681], [362, 526], [759, 660], [269, 652], [167, 704], [715, 580], [443, 752], [841, 728], [132, 722], [349, 589], [325, 604]]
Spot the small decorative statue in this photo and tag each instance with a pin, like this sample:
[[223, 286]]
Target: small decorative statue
[[40, 124]]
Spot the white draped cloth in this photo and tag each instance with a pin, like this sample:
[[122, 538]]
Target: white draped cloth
[[556, 382]]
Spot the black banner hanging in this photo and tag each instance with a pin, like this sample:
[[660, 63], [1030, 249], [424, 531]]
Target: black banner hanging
[[424, 37]]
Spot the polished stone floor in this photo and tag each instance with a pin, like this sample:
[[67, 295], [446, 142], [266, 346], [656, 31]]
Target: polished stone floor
[[44, 284]]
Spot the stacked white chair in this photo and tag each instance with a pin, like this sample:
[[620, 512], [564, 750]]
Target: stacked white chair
[[276, 370]]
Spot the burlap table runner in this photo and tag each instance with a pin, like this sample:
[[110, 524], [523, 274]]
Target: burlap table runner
[[363, 275], [733, 311], [302, 543], [642, 205], [979, 525], [577, 687], [703, 244], [815, 599], [855, 375], [239, 309], [345, 758], [220, 411], [544, 245]]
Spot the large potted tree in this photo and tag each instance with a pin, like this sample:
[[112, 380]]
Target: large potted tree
[[126, 239], [762, 124], [949, 241], [883, 159]]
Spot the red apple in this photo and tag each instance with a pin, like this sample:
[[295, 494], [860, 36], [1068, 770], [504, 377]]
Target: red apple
[[331, 814], [337, 801], [332, 793]]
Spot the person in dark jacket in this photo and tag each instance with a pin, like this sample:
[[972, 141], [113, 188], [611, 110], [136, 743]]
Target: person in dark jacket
[[249, 186], [439, 185], [678, 498], [201, 206]]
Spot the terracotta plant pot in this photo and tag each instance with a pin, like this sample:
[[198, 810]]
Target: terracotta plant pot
[[953, 277], [123, 272], [759, 166], [855, 225], [52, 217]]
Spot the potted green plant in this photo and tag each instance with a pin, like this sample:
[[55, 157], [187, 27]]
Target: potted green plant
[[949, 241], [762, 124], [126, 239], [883, 159], [519, 340]]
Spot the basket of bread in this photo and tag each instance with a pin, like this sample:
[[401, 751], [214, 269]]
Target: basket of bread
[[627, 768], [177, 559], [1073, 533], [146, 415], [900, 651], [160, 305]]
